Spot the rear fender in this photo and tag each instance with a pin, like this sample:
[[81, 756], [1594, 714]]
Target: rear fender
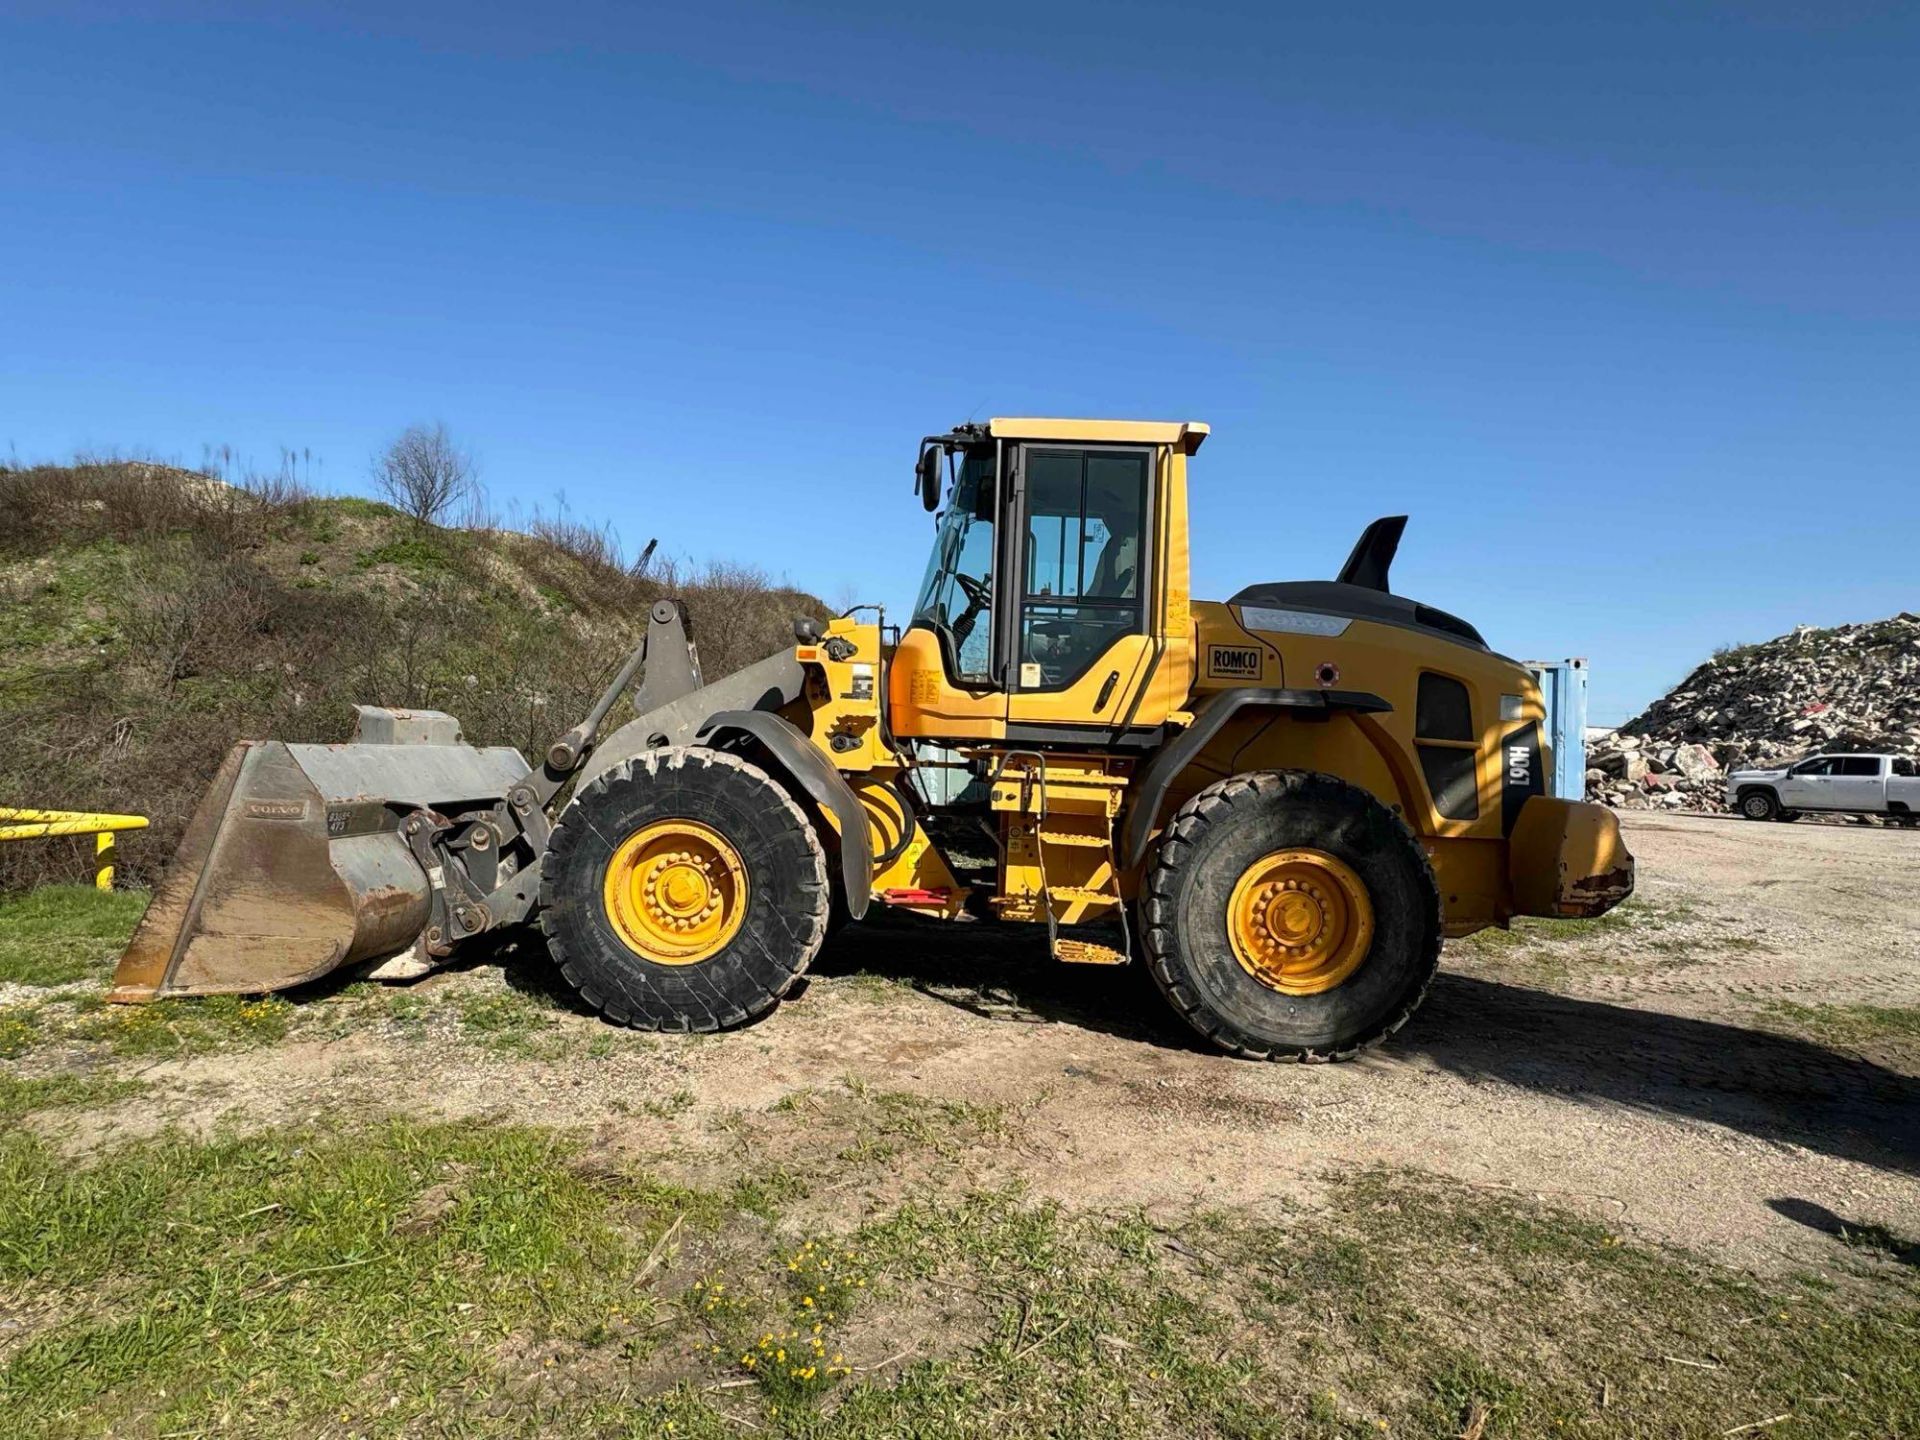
[[1143, 805], [801, 763], [1567, 860]]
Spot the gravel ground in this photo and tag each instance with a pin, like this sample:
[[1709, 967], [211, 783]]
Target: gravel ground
[[1665, 1072]]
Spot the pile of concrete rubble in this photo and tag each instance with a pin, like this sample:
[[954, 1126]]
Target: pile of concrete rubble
[[1856, 687]]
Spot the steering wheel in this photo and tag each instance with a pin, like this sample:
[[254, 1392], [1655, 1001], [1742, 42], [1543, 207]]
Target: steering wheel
[[979, 596]]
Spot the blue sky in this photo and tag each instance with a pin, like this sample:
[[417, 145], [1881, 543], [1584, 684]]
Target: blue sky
[[1621, 305]]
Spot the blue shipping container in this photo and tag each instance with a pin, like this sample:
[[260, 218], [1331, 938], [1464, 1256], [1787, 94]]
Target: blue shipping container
[[1563, 685]]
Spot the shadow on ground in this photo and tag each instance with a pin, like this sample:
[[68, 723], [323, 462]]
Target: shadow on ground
[[1003, 973], [519, 953], [1775, 1087], [1875, 1238]]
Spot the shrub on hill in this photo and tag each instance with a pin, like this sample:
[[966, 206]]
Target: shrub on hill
[[150, 617]]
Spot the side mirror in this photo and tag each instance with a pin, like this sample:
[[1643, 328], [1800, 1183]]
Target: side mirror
[[929, 470]]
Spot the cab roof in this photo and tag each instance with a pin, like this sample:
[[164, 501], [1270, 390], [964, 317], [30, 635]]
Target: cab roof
[[1187, 434]]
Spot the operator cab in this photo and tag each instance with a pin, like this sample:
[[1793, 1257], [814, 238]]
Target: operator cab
[[1045, 598]]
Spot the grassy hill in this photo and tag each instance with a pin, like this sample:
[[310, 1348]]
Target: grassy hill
[[151, 616]]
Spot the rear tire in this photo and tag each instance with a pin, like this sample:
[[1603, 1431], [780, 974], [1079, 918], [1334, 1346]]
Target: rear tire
[[1228, 832], [756, 956], [1759, 805]]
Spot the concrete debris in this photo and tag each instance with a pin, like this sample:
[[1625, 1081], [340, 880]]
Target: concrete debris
[[1856, 687]]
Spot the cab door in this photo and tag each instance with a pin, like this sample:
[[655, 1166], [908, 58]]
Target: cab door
[[1858, 783], [945, 678], [1807, 786], [1077, 616], [1903, 784]]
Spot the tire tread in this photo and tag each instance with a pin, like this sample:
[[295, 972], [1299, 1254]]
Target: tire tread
[[1213, 806], [809, 902]]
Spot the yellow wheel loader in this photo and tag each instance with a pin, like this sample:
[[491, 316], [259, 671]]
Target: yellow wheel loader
[[1280, 803]]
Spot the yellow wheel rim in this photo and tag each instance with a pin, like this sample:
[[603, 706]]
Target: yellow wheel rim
[[1299, 921], [676, 892]]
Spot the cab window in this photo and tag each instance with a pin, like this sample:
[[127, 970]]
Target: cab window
[[1823, 765], [957, 593], [1085, 561], [1859, 765]]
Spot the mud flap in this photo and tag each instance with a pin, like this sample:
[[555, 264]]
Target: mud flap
[[293, 865], [1567, 860]]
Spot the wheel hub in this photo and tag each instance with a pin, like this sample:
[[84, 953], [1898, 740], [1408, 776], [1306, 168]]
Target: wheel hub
[[1299, 921], [676, 892]]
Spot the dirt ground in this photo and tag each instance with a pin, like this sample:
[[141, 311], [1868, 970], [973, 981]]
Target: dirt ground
[[1670, 1073]]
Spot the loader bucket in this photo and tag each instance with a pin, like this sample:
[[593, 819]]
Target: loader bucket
[[294, 863]]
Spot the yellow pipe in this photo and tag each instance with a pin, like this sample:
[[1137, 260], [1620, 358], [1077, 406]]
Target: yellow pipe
[[38, 824], [43, 824]]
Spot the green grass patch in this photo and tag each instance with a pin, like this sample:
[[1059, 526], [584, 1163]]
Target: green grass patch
[[506, 1020], [1879, 1240], [667, 1106], [357, 506], [1849, 1025], [488, 1280], [291, 1282], [867, 985], [1408, 1307], [1549, 952], [61, 616], [20, 1096], [19, 1031], [510, 1022], [170, 1029], [415, 554], [62, 933]]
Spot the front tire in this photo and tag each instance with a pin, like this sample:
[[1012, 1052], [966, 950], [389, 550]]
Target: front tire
[[684, 890], [1291, 916], [1759, 805]]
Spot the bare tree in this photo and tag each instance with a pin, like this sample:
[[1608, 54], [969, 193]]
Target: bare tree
[[425, 474]]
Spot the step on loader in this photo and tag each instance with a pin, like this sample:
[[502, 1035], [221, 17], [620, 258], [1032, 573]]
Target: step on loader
[[1280, 804]]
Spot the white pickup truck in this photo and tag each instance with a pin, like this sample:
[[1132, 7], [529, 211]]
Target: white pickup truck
[[1843, 784]]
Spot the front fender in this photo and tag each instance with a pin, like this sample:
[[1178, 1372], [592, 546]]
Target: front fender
[[805, 765], [765, 685], [1567, 860]]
